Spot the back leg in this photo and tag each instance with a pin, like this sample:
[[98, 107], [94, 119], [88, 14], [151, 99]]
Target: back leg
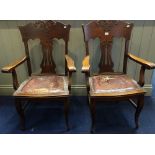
[[66, 110], [140, 104]]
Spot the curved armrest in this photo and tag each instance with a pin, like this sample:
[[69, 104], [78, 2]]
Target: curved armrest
[[85, 64], [9, 68], [147, 64], [144, 65], [70, 64]]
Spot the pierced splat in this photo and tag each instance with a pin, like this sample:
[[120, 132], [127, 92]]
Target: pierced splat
[[106, 63], [47, 64], [107, 25]]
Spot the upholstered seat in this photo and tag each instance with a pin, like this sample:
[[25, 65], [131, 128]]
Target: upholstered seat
[[113, 84], [51, 85]]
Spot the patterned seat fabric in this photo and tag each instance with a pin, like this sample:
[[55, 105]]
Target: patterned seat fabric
[[112, 84], [50, 85]]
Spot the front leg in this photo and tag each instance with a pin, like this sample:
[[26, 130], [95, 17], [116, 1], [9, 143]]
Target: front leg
[[93, 114], [20, 111]]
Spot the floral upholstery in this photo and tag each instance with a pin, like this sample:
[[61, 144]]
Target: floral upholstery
[[50, 85], [112, 84]]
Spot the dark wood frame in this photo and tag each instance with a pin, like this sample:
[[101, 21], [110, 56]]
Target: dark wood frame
[[46, 31], [105, 31]]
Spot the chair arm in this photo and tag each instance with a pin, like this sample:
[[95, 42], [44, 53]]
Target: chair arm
[[9, 68], [70, 64], [85, 64], [146, 64]]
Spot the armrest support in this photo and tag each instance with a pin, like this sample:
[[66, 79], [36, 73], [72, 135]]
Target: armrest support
[[146, 64], [70, 64], [9, 68], [86, 70], [86, 65], [71, 68]]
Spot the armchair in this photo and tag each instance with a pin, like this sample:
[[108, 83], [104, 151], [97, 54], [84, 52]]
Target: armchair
[[47, 85], [109, 85]]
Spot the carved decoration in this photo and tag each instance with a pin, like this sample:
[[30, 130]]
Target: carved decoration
[[107, 25]]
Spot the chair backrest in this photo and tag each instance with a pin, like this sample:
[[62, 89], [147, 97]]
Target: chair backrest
[[46, 31], [106, 31]]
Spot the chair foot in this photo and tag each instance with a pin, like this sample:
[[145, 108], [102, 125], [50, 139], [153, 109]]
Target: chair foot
[[67, 124], [92, 131], [136, 128], [22, 128], [67, 128], [139, 108]]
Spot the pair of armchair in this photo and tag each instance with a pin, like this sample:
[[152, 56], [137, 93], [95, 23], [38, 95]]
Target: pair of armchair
[[106, 86]]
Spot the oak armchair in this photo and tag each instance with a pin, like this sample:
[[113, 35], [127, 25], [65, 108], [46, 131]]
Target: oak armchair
[[109, 85], [47, 85]]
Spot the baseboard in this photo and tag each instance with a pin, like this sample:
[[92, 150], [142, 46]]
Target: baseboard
[[6, 89], [79, 90], [148, 88]]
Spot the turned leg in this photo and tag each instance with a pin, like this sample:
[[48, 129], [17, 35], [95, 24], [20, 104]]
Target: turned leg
[[66, 109], [139, 108], [20, 111], [93, 114]]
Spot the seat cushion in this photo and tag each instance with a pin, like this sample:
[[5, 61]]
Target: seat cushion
[[49, 85], [113, 85]]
